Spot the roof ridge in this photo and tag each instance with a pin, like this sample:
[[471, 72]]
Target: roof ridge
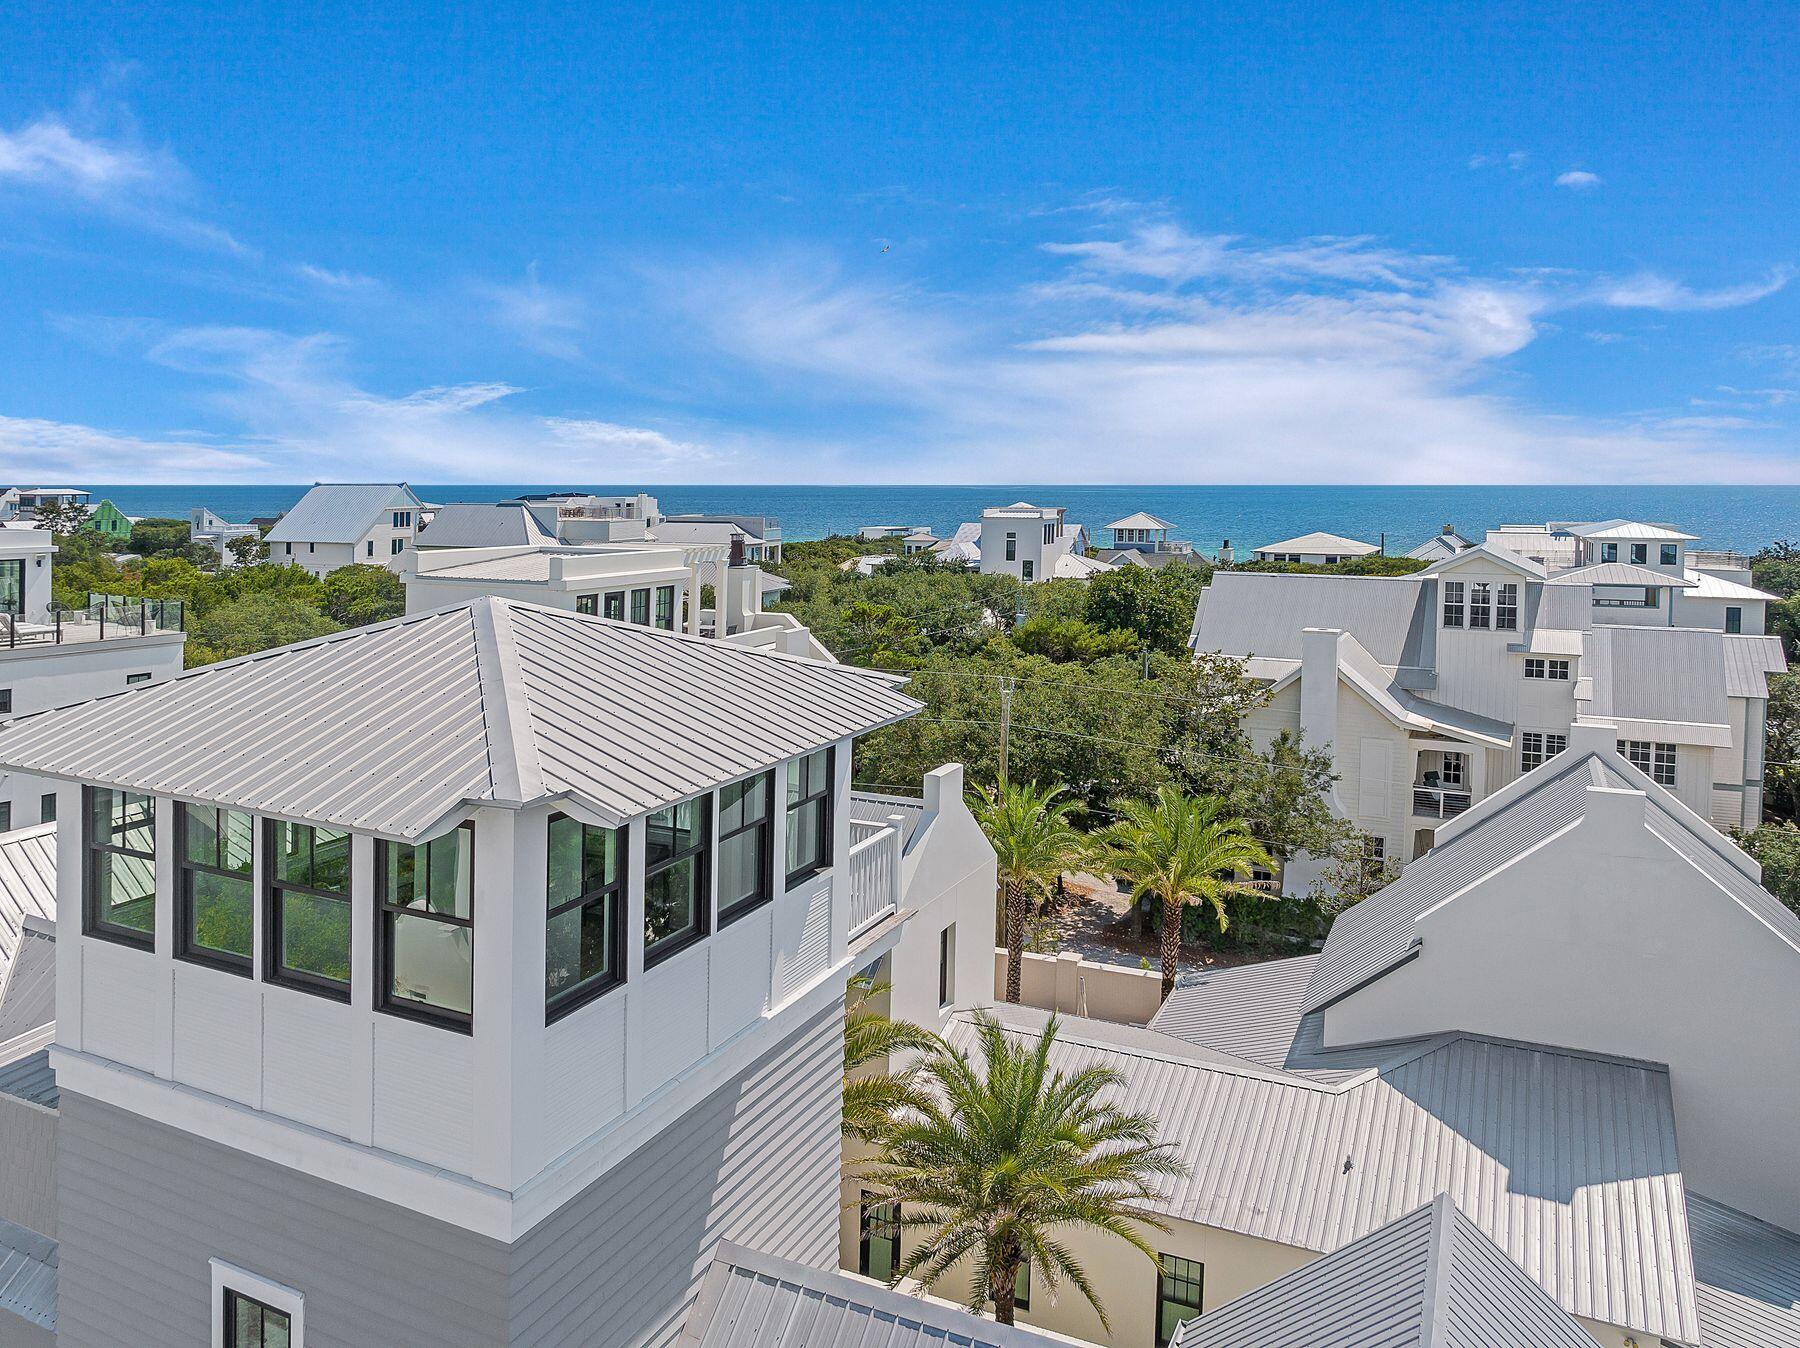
[[1440, 1257], [513, 766]]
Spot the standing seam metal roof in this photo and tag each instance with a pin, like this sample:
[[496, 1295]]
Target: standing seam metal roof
[[1565, 1160], [1748, 1278], [755, 1300], [1429, 1279], [398, 728], [27, 885], [1243, 613], [341, 512], [481, 525]]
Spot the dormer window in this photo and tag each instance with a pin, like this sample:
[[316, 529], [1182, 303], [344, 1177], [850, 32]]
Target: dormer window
[[308, 914], [120, 884], [1480, 605], [1640, 554], [584, 941], [1506, 608], [1453, 603], [425, 914], [1609, 552], [1671, 554], [675, 880]]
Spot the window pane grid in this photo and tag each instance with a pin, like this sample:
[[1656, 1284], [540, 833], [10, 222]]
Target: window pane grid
[[1453, 603], [675, 878], [309, 907], [426, 921], [1178, 1295], [744, 853], [121, 865], [809, 815], [585, 914], [214, 858]]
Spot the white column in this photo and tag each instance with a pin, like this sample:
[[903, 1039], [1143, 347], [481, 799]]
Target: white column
[[509, 995], [166, 816], [693, 600], [361, 1066], [70, 829], [721, 598]]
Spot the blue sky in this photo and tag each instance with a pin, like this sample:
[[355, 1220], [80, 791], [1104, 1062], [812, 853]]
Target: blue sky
[[1148, 242]]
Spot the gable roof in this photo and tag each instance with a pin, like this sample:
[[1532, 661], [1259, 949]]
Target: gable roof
[[1141, 519], [341, 512], [1381, 932], [753, 1300], [1263, 613], [1320, 542], [1666, 680], [1564, 1159], [1430, 1279], [1749, 661], [480, 525], [1512, 561], [397, 729]]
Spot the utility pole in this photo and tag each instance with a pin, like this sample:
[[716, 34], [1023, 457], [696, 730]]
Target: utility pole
[[1006, 691]]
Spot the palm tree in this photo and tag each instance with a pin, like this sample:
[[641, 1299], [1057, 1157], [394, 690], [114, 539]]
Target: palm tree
[[870, 1036], [997, 1163], [1181, 847], [1034, 842]]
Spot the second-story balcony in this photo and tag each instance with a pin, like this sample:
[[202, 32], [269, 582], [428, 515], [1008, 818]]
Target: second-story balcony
[[1432, 801], [880, 828], [106, 617]]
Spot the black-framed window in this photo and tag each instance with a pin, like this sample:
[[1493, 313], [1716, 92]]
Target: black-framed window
[[675, 880], [584, 936], [1734, 619], [1012, 547], [1178, 1290], [216, 895], [251, 1324], [1640, 554], [746, 856], [946, 966], [1453, 603], [588, 604], [1609, 552], [1506, 608], [5, 701], [640, 607], [665, 607], [878, 1244], [1670, 554], [47, 808], [5, 815], [425, 928], [1540, 667], [120, 847], [1022, 1288], [12, 586], [614, 606], [308, 914], [809, 815]]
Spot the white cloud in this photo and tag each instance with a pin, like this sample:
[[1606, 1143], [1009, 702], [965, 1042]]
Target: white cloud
[[1579, 179], [335, 280], [49, 152], [627, 449], [1512, 159], [64, 451], [1160, 356], [544, 319], [1647, 290]]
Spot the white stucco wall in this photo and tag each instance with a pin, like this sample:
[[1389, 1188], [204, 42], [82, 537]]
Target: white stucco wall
[[1606, 940]]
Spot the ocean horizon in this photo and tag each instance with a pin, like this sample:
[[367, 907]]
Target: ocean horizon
[[1401, 517]]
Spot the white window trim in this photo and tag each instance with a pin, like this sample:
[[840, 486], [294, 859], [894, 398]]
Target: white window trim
[[273, 1294]]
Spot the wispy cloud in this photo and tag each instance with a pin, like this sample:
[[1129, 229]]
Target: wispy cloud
[[1166, 252], [1512, 159], [1579, 179], [64, 451], [544, 319], [1647, 290]]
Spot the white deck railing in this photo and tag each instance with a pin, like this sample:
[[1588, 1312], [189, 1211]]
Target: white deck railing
[[874, 873]]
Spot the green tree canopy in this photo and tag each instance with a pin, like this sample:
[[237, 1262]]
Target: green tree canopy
[[255, 623], [1155, 606], [1034, 841], [355, 595]]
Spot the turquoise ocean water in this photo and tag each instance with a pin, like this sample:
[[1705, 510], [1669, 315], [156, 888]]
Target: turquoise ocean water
[[1725, 517]]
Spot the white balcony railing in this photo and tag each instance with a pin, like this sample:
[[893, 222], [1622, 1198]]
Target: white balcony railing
[[1440, 802], [874, 873]]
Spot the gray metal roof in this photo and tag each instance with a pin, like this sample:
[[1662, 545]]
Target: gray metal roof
[[754, 1300], [341, 512], [1749, 661], [869, 807], [28, 986], [1257, 1012], [1566, 1160], [397, 729], [1322, 543], [1141, 519], [482, 525], [1430, 1279], [1373, 936], [1620, 573], [27, 885], [1263, 613], [28, 1274], [1658, 674], [1747, 1276], [30, 1077], [1624, 529]]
